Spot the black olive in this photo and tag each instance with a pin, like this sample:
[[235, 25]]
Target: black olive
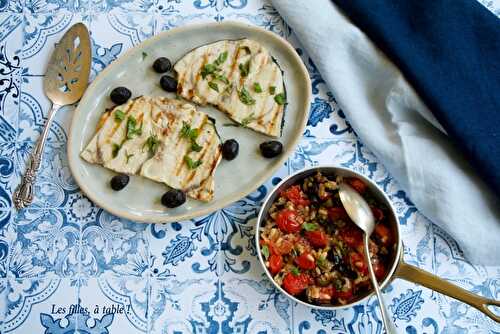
[[230, 149], [271, 149], [168, 83], [162, 65], [333, 257], [120, 181], [173, 198], [351, 274], [120, 95]]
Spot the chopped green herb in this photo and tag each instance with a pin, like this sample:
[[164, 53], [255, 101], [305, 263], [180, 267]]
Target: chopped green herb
[[115, 150], [246, 49], [119, 115], [257, 88], [265, 251], [144, 55], [295, 271], [192, 164], [152, 143], [280, 99], [213, 85], [222, 78], [338, 284], [208, 69], [228, 89], [272, 90], [187, 132], [309, 226], [221, 59], [244, 68], [195, 147], [245, 97], [321, 261], [132, 128], [247, 120], [128, 156]]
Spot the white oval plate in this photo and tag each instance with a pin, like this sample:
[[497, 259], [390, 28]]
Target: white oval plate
[[140, 200]]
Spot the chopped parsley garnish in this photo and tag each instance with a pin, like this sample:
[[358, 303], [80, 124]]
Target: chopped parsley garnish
[[152, 143], [245, 97], [221, 59], [192, 164], [132, 128], [144, 55], [257, 88], [119, 115], [228, 89], [244, 68], [295, 271], [187, 132], [195, 147], [265, 251], [221, 78], [247, 120], [208, 69], [128, 156], [191, 134], [272, 90], [280, 99], [321, 261], [309, 226], [115, 149], [213, 85]]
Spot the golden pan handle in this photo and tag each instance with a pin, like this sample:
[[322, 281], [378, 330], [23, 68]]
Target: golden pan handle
[[419, 276]]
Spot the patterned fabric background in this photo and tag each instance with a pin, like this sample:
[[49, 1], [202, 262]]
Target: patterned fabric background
[[64, 255]]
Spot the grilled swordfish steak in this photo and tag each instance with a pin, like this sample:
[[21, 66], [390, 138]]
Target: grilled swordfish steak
[[240, 78], [165, 140]]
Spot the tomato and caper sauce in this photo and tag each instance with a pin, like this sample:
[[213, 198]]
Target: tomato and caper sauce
[[314, 251]]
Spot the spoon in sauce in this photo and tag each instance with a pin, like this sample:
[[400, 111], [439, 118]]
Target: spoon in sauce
[[360, 213]]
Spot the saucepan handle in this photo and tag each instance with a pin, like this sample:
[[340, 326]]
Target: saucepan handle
[[419, 276]]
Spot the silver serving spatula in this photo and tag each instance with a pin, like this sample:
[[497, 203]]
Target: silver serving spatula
[[65, 81]]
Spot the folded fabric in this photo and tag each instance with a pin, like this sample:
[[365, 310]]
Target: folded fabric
[[395, 124], [449, 51]]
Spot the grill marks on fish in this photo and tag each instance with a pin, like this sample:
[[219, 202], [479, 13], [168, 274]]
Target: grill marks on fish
[[163, 118], [265, 113]]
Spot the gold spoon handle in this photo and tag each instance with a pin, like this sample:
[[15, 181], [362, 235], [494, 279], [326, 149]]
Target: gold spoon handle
[[389, 328], [23, 196], [416, 275]]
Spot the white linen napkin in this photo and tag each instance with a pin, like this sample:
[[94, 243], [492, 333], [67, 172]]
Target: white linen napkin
[[395, 124]]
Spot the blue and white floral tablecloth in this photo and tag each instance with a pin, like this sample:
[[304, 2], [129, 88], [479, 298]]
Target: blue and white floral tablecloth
[[68, 266]]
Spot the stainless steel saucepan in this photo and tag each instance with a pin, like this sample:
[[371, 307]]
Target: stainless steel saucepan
[[398, 269]]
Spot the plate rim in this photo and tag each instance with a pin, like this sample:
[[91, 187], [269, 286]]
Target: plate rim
[[149, 218]]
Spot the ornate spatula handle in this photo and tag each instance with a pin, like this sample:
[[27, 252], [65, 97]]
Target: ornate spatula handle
[[23, 196]]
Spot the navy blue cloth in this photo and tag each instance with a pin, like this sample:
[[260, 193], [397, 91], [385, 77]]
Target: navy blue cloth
[[449, 51]]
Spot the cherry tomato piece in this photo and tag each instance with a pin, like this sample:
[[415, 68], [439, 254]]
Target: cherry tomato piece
[[384, 234], [345, 295], [358, 262], [377, 213], [295, 284], [357, 184], [289, 221], [275, 264], [337, 213], [327, 293], [317, 238], [283, 247], [295, 195], [306, 261], [379, 269], [352, 236]]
